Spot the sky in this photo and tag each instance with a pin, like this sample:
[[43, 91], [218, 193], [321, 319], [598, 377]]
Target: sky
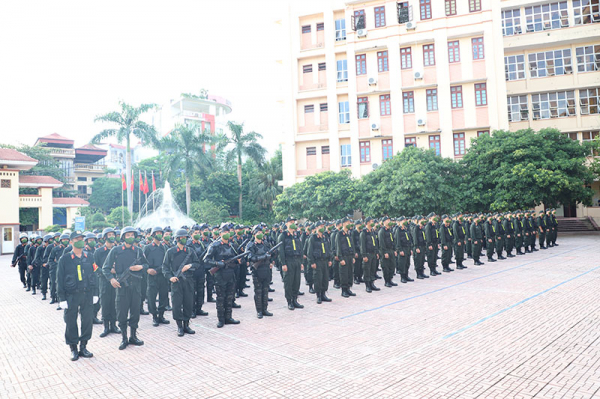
[[62, 63]]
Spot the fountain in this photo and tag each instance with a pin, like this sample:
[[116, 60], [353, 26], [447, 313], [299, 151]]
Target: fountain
[[161, 210]]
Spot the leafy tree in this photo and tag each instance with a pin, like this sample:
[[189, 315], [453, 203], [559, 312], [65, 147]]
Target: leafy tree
[[524, 169], [208, 212], [325, 195], [244, 144], [202, 96], [106, 194], [115, 216], [264, 184], [127, 124], [415, 181], [52, 229], [189, 154]]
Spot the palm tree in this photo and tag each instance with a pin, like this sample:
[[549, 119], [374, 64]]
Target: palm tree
[[188, 151], [244, 144], [128, 124], [264, 186]]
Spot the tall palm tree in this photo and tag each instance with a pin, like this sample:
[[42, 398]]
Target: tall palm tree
[[264, 185], [244, 144], [188, 151], [128, 124]]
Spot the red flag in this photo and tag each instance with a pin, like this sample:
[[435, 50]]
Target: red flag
[[141, 182], [146, 183], [132, 181], [153, 182], [123, 181]]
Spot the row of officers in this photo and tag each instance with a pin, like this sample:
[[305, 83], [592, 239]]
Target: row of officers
[[117, 271]]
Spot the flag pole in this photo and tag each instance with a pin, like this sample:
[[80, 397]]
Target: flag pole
[[122, 208]]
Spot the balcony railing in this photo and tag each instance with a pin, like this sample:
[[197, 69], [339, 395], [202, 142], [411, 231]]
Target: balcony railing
[[83, 196], [89, 167], [62, 152]]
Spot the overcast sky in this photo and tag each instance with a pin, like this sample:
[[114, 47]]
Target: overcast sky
[[65, 62]]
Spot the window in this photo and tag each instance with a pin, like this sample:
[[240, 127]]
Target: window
[[387, 149], [320, 26], [482, 132], [456, 96], [340, 30], [379, 16], [428, 55], [409, 101], [363, 107], [434, 143], [344, 112], [514, 67], [588, 58], [384, 105], [365, 151], [425, 9], [590, 136], [322, 66], [82, 179], [346, 157], [311, 151], [572, 136], [453, 51], [359, 20], [474, 5], [589, 100], [480, 94], [325, 150], [553, 105], [306, 29], [405, 58], [307, 68], [361, 64], [477, 45], [382, 61], [546, 16], [410, 142], [432, 102], [586, 11], [342, 70], [309, 109], [404, 12], [550, 63], [518, 109], [323, 107], [511, 22], [459, 144], [6, 183], [450, 7]]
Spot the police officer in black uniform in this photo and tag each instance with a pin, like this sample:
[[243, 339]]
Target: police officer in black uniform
[[158, 285], [120, 258], [199, 243], [75, 286], [107, 291]]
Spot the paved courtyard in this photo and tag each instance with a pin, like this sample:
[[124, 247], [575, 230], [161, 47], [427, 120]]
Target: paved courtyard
[[520, 328]]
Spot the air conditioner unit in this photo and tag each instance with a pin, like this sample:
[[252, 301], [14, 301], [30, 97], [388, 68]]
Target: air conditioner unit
[[374, 126], [419, 75], [421, 121], [375, 166], [410, 25], [372, 81], [361, 32]]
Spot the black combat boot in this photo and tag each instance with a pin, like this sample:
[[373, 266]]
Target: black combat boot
[[373, 287], [356, 281], [310, 289], [290, 305], [187, 329], [460, 267], [106, 329], [271, 289], [319, 300], [74, 352], [242, 294], [193, 314], [83, 352], [393, 284], [44, 298], [368, 287], [134, 340], [403, 279], [201, 312], [300, 293], [259, 315], [387, 284], [231, 320], [349, 292], [180, 331], [265, 312], [345, 293], [235, 305], [161, 318], [33, 289], [95, 320], [125, 341], [155, 322], [53, 300], [221, 323], [296, 304], [29, 289], [446, 269], [114, 328], [324, 297], [142, 311]]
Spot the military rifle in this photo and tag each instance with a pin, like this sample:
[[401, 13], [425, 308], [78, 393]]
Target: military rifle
[[227, 262], [266, 256], [179, 273], [123, 279], [17, 260]]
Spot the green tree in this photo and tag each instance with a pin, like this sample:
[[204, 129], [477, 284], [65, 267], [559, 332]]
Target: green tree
[[325, 195], [128, 124], [523, 169], [264, 184], [106, 194], [415, 181], [209, 212], [244, 144], [116, 214], [189, 154]]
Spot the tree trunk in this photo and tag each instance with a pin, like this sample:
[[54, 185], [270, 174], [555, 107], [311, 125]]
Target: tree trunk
[[128, 179], [239, 171], [188, 195]]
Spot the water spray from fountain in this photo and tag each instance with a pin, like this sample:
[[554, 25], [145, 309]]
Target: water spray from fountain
[[161, 210]]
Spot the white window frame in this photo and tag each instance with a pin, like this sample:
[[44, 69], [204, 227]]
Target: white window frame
[[518, 108], [342, 74], [546, 16], [340, 29], [345, 155], [588, 58], [514, 67], [558, 104], [344, 112], [550, 63], [586, 10], [511, 22], [589, 101]]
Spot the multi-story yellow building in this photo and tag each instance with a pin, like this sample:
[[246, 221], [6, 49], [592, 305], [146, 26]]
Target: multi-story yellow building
[[371, 77], [552, 72]]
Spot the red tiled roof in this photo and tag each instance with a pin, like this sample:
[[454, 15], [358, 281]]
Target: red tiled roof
[[69, 201], [55, 136], [8, 154], [118, 146], [39, 180], [90, 147]]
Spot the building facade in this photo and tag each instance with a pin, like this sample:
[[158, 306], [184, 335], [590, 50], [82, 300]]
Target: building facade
[[369, 78]]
